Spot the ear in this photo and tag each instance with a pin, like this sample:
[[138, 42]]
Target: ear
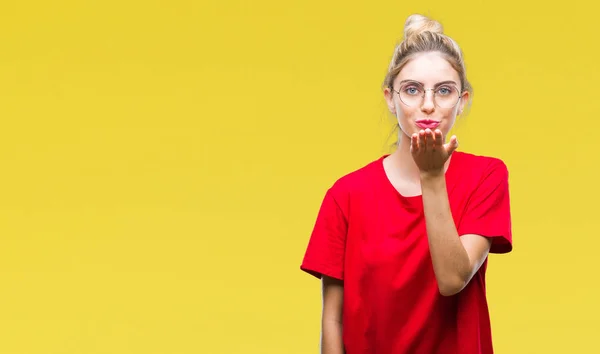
[[463, 101], [389, 98]]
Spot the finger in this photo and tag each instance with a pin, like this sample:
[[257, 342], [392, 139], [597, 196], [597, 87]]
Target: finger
[[430, 139], [452, 145], [439, 139], [422, 146], [414, 143]]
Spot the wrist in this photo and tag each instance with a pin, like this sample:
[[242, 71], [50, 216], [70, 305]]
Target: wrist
[[429, 176], [433, 182]]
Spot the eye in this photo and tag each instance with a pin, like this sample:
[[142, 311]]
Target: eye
[[444, 91], [412, 90]]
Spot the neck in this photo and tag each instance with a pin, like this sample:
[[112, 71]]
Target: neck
[[403, 162]]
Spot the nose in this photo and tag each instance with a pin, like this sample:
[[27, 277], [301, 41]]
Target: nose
[[428, 105]]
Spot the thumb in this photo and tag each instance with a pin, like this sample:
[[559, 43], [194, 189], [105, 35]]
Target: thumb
[[452, 145]]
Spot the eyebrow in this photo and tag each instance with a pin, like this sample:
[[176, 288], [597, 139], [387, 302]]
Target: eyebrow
[[437, 84]]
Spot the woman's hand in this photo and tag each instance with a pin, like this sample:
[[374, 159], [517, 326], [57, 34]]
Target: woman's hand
[[429, 151]]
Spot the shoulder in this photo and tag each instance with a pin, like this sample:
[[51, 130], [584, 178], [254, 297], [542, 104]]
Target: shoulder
[[358, 180], [480, 167]]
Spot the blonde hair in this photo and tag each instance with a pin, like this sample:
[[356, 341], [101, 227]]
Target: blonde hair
[[422, 34]]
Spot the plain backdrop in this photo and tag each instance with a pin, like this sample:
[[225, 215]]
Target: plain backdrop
[[163, 163]]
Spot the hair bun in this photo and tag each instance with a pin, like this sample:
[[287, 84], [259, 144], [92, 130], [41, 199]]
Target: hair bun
[[416, 24]]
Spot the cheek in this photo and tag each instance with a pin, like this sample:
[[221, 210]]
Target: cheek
[[403, 112], [448, 123]]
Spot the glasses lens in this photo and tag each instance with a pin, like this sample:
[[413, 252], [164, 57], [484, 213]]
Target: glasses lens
[[446, 96], [411, 94]]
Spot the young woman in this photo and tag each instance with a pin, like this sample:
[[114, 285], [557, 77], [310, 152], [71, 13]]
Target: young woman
[[401, 244]]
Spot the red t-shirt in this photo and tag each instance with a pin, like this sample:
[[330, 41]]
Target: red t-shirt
[[374, 239]]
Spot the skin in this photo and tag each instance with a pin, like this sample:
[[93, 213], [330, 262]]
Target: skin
[[417, 167], [331, 319]]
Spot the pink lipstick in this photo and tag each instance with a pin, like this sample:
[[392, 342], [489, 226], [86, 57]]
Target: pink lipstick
[[427, 123]]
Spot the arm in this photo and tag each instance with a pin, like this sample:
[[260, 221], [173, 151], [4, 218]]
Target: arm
[[455, 259], [324, 259], [331, 333]]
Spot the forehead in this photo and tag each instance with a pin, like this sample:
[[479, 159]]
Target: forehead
[[429, 69]]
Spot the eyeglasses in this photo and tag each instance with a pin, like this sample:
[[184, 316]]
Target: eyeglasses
[[412, 94]]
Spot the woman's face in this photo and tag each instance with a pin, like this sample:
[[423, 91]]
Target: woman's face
[[426, 94]]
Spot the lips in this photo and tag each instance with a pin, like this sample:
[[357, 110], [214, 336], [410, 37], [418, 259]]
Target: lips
[[427, 123]]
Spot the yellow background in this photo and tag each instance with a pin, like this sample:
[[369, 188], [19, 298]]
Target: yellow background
[[163, 163]]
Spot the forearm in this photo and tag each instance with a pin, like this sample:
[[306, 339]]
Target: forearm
[[450, 259], [331, 337]]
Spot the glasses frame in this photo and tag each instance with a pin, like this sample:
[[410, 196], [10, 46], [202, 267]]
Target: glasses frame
[[460, 93]]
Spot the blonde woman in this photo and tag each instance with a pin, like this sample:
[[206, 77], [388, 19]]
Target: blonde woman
[[401, 244]]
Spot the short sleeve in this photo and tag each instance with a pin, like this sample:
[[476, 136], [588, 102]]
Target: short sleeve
[[488, 209], [326, 247]]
